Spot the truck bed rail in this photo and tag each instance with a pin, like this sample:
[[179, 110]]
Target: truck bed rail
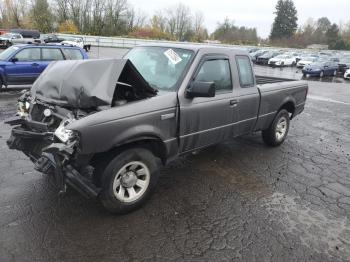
[[261, 80]]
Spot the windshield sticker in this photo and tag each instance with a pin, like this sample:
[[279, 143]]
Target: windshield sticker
[[172, 56]]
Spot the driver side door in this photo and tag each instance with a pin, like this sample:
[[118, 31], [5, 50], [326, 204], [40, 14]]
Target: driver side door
[[26, 66], [208, 120]]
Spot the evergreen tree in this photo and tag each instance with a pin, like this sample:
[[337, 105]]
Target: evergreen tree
[[42, 16], [285, 24]]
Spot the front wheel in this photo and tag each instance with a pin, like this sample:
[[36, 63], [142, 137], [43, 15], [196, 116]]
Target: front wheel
[[129, 180], [277, 132]]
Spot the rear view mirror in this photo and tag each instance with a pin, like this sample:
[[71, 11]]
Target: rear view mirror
[[201, 89]]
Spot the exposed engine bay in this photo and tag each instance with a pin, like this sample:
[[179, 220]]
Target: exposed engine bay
[[40, 128]]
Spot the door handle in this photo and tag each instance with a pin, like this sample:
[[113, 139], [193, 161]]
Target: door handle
[[233, 102], [35, 64]]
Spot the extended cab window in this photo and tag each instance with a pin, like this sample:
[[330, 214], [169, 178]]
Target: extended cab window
[[52, 54], [28, 54], [245, 71], [72, 54], [217, 71]]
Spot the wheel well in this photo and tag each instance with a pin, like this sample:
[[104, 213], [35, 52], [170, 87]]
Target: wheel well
[[156, 146], [290, 107]]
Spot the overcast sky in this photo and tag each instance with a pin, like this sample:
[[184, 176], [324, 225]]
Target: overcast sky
[[253, 13]]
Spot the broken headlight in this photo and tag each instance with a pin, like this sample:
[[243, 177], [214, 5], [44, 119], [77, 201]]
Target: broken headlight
[[64, 134], [23, 109]]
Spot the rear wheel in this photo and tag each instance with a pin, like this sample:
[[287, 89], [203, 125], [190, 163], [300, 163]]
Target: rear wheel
[[277, 132], [128, 180]]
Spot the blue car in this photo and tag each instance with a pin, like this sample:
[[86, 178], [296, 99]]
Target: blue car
[[321, 69], [22, 64]]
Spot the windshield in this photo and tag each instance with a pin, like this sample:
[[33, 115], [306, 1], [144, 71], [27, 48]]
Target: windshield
[[8, 52], [309, 59], [282, 57], [161, 67]]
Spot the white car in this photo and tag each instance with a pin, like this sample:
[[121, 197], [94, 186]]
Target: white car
[[74, 41], [306, 61], [282, 60], [347, 74]]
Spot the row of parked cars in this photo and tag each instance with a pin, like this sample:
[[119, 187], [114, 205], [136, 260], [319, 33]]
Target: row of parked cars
[[21, 36], [317, 64]]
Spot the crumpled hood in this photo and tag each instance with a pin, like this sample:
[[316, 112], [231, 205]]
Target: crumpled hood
[[86, 83]]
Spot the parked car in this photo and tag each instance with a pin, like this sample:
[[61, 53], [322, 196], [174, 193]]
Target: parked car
[[347, 74], [22, 64], [76, 41], [282, 60], [52, 38], [105, 126], [9, 39], [306, 61], [264, 59], [321, 69], [343, 65], [256, 54], [26, 33]]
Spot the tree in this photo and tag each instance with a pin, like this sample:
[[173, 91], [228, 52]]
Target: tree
[[227, 32], [322, 26], [68, 27], [42, 16], [285, 23], [158, 21]]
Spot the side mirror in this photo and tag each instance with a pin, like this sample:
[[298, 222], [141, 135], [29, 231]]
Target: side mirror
[[201, 89], [14, 59]]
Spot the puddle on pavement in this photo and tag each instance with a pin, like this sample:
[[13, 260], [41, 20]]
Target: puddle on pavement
[[319, 230]]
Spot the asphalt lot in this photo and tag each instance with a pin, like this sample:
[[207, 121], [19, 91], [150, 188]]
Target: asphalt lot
[[236, 201]]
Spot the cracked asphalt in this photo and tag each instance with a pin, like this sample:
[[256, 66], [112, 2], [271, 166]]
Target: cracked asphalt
[[236, 201]]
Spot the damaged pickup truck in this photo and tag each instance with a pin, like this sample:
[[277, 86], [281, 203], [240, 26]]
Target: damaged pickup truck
[[104, 127]]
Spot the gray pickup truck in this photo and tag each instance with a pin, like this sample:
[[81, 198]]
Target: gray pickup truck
[[104, 127]]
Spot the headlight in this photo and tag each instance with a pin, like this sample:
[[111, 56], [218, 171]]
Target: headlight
[[64, 134], [23, 109]]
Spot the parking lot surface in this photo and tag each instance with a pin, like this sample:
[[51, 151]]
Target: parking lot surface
[[236, 201]]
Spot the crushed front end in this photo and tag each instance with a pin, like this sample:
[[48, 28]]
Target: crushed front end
[[40, 132]]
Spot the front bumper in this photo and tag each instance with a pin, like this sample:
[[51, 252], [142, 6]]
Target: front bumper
[[51, 158]]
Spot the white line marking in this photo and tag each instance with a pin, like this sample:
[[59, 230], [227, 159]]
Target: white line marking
[[320, 98]]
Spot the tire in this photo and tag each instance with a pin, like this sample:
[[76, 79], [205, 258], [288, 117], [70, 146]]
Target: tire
[[278, 131], [322, 74], [8, 44], [335, 73], [136, 171]]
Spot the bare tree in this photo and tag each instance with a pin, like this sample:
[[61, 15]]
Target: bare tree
[[159, 21]]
